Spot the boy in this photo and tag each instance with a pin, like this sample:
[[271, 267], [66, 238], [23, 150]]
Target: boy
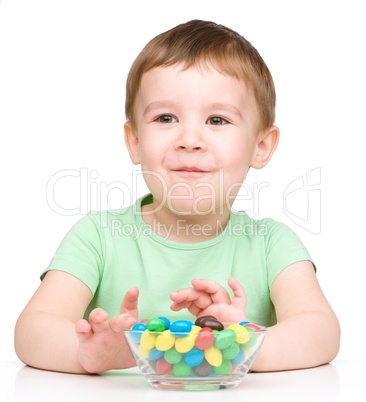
[[200, 108]]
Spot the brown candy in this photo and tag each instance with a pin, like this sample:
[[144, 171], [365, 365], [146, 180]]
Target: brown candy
[[203, 370], [210, 322], [198, 321]]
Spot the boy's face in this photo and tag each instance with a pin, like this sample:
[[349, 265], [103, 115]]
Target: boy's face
[[196, 137]]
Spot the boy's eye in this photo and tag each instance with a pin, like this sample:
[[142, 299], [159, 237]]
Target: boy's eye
[[166, 118], [217, 121]]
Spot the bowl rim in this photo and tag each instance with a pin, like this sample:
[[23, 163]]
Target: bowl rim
[[127, 330]]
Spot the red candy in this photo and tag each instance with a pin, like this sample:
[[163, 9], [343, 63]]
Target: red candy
[[144, 321], [163, 367], [253, 326], [205, 338]]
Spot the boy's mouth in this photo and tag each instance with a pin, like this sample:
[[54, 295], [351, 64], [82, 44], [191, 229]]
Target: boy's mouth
[[192, 169]]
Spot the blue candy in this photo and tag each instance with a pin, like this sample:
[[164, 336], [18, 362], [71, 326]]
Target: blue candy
[[136, 336], [166, 322], [155, 354], [239, 358], [183, 326], [244, 322], [194, 357]]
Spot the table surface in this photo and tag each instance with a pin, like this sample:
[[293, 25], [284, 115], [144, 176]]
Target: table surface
[[342, 380]]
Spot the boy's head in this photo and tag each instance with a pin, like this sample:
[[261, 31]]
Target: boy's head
[[200, 107], [203, 43]]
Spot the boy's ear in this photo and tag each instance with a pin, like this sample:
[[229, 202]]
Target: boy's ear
[[266, 147], [132, 143]]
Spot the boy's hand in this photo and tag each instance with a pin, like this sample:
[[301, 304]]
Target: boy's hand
[[207, 297], [102, 344]]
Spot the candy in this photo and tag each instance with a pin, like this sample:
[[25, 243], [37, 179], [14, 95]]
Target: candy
[[195, 329], [224, 368], [247, 352], [194, 357], [181, 327], [163, 367], [242, 334], [198, 321], [231, 351], [155, 325], [172, 356], [203, 370], [213, 356], [144, 353], [239, 357], [144, 321], [181, 369], [185, 344], [252, 340], [136, 336], [165, 340], [147, 340], [166, 322], [210, 322], [155, 354], [152, 364], [253, 326], [205, 338], [225, 338], [204, 348], [233, 367]]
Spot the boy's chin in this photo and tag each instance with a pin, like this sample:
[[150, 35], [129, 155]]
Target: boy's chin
[[188, 208]]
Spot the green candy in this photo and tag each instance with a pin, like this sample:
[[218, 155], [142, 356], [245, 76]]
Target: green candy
[[155, 325], [224, 368], [172, 356], [252, 340], [224, 338], [231, 351], [181, 369]]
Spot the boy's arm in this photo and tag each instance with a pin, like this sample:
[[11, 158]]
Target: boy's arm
[[45, 335], [45, 331], [308, 332]]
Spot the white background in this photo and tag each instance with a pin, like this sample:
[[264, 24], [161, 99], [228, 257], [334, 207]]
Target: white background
[[62, 75]]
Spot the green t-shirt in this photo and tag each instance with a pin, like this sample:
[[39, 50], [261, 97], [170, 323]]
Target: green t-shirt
[[112, 251]]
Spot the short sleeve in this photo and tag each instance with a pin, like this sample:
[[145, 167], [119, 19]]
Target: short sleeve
[[81, 253], [283, 248]]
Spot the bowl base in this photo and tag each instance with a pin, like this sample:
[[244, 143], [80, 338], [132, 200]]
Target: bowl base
[[194, 384]]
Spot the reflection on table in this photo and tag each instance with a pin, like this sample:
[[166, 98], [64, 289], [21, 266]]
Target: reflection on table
[[317, 384]]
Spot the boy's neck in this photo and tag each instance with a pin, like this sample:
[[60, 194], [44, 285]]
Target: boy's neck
[[184, 228]]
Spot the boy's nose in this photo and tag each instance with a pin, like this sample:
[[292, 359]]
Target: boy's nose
[[191, 140]]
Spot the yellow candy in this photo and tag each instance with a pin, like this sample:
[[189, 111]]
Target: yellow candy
[[144, 353], [195, 329], [185, 343], [165, 341], [147, 340], [213, 356], [242, 335], [246, 351]]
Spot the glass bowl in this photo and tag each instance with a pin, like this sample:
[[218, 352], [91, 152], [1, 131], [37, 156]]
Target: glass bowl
[[194, 360]]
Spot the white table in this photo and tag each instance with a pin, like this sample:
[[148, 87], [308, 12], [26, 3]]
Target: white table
[[342, 380]]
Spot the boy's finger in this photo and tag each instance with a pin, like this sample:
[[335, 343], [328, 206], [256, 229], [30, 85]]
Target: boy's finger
[[194, 310], [180, 306], [129, 302], [239, 299], [217, 292], [83, 330], [190, 306], [122, 321], [98, 320], [202, 299]]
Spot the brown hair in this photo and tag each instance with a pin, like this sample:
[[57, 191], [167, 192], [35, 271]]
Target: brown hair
[[202, 42]]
